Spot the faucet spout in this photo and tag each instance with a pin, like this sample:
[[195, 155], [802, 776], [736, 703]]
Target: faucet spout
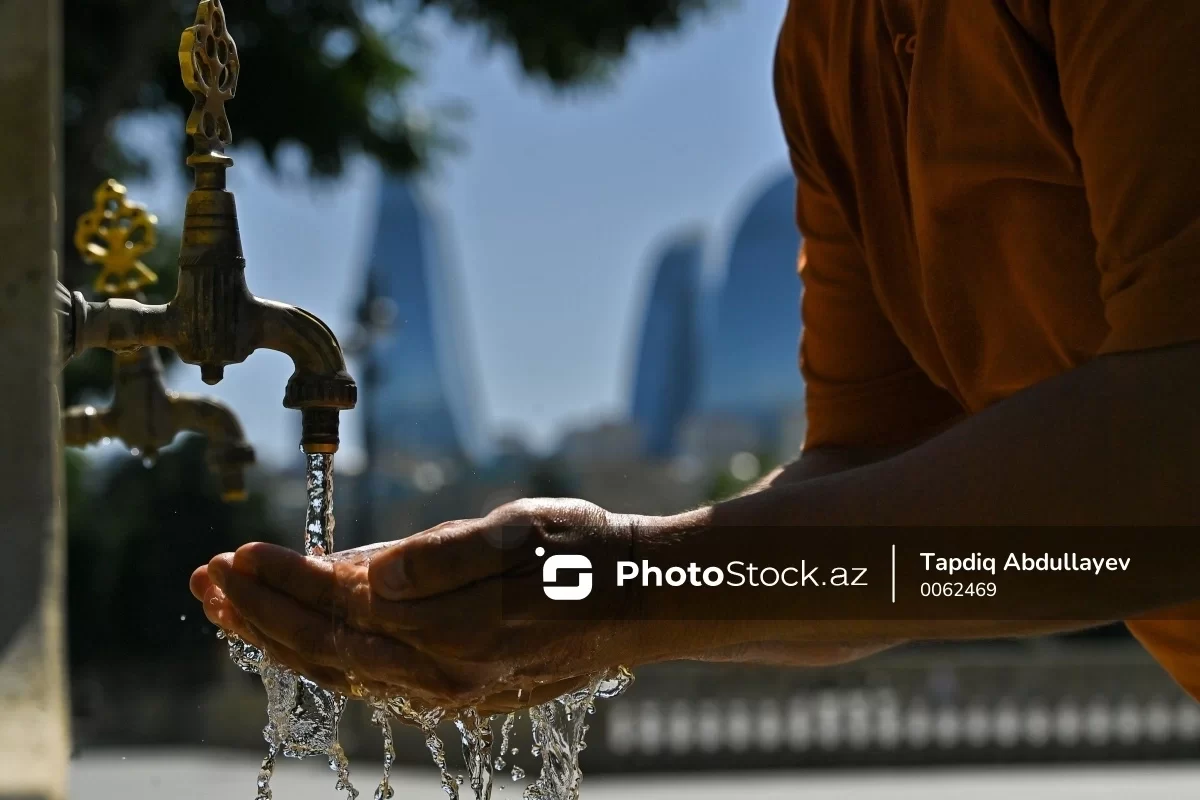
[[320, 386], [303, 337]]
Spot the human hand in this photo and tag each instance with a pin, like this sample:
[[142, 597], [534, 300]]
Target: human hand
[[452, 616]]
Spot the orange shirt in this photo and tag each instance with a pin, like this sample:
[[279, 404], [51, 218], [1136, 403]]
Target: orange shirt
[[991, 192]]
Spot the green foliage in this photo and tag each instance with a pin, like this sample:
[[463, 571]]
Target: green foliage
[[568, 42], [726, 486], [330, 75]]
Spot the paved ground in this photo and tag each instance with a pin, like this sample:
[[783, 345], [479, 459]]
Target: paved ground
[[205, 775]]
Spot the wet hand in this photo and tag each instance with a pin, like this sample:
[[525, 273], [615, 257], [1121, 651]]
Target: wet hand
[[451, 616]]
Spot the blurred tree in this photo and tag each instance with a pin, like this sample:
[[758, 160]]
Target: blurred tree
[[330, 75], [569, 43]]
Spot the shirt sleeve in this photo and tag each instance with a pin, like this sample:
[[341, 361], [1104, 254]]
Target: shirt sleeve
[[862, 386], [1130, 79]]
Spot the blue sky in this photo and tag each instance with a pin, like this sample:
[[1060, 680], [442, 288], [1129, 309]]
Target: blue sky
[[551, 212]]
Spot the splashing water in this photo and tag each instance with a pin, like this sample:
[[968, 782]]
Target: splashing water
[[558, 731], [505, 734], [379, 716], [476, 735], [303, 718], [558, 727], [427, 721], [264, 774]]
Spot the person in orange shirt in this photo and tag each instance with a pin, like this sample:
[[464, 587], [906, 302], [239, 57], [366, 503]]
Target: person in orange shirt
[[1000, 205]]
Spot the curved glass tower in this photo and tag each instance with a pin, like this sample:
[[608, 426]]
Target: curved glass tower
[[666, 376], [751, 370], [420, 404]]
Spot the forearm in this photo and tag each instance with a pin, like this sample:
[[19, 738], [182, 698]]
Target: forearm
[[820, 463], [1114, 442], [825, 461], [792, 654], [812, 464]]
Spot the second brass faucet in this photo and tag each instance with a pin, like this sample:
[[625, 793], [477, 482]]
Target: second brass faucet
[[144, 414]]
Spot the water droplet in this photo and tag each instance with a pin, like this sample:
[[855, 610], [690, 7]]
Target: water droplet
[[148, 462], [182, 617], [518, 773], [135, 452], [106, 440]]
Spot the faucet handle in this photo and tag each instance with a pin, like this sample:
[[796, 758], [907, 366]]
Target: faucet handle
[[114, 235], [209, 62]]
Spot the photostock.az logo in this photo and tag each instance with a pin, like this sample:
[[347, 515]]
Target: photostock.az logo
[[565, 563]]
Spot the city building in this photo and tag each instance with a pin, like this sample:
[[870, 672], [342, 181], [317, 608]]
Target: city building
[[751, 389], [608, 443], [666, 373], [421, 423], [751, 368]]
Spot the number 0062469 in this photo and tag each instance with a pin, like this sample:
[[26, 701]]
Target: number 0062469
[[958, 590]]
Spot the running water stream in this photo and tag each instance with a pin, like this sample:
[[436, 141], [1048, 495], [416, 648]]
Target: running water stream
[[303, 718], [559, 728]]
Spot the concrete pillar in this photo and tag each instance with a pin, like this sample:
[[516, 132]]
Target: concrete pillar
[[34, 738]]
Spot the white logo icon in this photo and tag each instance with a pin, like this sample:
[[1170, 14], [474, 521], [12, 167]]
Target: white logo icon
[[565, 562]]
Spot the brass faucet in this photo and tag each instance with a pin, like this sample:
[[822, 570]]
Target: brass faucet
[[144, 415], [213, 319]]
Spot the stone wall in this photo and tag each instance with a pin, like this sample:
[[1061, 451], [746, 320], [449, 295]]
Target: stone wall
[[33, 715]]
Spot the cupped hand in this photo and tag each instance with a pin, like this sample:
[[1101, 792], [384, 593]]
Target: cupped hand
[[452, 616]]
